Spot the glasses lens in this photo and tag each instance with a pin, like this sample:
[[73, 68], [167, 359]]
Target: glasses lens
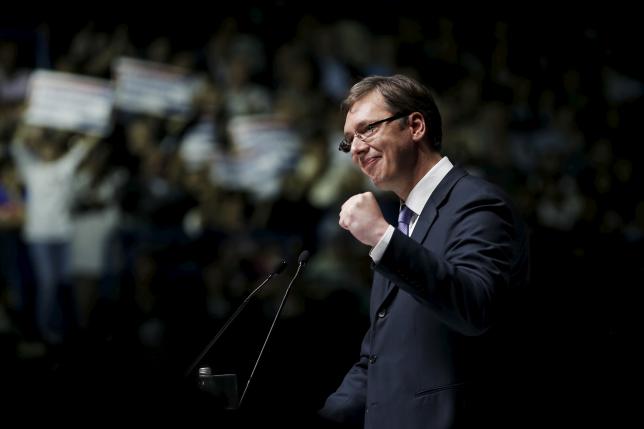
[[344, 146]]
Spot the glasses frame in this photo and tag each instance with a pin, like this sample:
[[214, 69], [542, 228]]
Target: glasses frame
[[345, 146]]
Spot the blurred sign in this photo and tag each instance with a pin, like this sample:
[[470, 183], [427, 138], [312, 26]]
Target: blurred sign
[[265, 149], [153, 88], [69, 102]]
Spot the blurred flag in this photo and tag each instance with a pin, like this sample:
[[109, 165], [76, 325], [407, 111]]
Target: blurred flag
[[70, 102], [153, 88], [264, 150]]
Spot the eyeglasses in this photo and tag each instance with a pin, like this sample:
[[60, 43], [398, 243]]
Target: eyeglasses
[[369, 131]]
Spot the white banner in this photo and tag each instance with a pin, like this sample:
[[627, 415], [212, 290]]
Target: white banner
[[70, 102], [265, 149], [153, 88]]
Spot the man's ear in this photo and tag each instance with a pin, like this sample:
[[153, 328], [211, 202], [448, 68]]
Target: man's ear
[[416, 123]]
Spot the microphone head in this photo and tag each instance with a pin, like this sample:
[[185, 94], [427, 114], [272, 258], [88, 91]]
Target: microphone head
[[304, 257], [280, 267]]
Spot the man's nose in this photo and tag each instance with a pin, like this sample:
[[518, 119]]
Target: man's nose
[[358, 146]]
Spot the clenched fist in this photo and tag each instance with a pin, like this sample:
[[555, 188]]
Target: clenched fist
[[362, 217]]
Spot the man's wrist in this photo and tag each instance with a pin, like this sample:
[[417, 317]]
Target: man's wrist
[[379, 249]]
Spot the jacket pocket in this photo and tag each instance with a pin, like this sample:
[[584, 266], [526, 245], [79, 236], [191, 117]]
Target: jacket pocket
[[427, 392]]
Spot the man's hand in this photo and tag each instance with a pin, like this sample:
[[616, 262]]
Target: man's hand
[[362, 217]]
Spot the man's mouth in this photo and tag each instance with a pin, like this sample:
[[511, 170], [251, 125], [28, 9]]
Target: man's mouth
[[369, 162]]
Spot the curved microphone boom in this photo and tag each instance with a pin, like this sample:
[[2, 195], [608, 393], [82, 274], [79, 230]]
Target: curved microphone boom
[[301, 261], [278, 269]]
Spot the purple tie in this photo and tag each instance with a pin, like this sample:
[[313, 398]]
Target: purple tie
[[403, 219]]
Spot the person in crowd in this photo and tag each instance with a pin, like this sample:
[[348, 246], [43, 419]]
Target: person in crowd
[[47, 161]]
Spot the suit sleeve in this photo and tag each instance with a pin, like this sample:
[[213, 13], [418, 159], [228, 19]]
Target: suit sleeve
[[347, 403], [464, 284]]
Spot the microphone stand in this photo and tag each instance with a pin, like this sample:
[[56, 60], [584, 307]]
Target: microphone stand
[[230, 320], [302, 260]]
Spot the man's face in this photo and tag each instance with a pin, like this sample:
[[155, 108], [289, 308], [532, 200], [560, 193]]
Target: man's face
[[387, 156]]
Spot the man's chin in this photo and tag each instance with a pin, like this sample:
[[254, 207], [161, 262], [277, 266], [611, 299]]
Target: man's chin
[[378, 183]]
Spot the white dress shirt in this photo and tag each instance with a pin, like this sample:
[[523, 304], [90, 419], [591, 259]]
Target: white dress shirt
[[415, 201]]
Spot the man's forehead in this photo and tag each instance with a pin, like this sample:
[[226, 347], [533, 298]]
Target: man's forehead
[[366, 107], [371, 99]]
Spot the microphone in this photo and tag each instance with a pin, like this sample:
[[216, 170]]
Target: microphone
[[278, 270], [301, 262]]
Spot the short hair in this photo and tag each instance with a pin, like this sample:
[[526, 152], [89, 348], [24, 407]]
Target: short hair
[[402, 94]]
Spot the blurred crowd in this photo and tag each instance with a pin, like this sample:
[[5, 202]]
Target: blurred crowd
[[133, 246]]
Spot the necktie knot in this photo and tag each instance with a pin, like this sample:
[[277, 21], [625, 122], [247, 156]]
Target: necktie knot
[[404, 217]]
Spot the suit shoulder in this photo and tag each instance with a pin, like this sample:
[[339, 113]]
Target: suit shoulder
[[477, 187]]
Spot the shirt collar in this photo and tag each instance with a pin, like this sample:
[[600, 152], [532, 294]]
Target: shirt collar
[[423, 190]]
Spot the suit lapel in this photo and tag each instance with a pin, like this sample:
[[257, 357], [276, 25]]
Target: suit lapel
[[428, 215], [425, 221]]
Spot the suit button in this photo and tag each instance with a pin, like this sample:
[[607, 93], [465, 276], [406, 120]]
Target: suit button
[[382, 314], [372, 359]]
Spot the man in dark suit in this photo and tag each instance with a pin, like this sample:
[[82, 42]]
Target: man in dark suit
[[442, 277]]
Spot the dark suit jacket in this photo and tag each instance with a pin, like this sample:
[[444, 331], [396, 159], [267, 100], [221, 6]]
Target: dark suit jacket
[[436, 296]]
